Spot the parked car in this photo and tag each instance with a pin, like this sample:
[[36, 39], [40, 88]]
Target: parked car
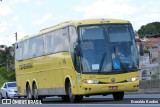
[[9, 90]]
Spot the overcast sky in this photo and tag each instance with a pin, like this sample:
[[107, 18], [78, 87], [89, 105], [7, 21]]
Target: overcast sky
[[30, 16]]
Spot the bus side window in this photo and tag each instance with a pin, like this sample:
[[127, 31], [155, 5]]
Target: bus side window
[[32, 47], [63, 46], [73, 44], [40, 46], [18, 52], [48, 43], [56, 41], [25, 49]]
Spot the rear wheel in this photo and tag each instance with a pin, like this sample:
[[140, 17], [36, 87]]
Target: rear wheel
[[28, 92], [118, 95], [35, 92]]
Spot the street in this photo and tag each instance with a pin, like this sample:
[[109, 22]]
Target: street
[[130, 100]]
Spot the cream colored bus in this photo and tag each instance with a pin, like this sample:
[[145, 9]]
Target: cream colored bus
[[78, 58]]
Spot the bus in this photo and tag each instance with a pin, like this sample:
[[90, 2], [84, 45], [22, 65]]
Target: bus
[[74, 59]]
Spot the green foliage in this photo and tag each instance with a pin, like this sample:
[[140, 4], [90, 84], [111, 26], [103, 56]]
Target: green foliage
[[146, 50], [2, 80], [154, 76], [7, 72], [151, 29], [6, 76]]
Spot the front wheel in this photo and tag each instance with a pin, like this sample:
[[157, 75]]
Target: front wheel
[[7, 96], [69, 92], [72, 98], [1, 96], [118, 95]]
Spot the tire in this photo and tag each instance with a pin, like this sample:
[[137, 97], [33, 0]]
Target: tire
[[7, 96], [1, 96], [35, 92], [28, 92], [69, 93], [118, 96], [72, 98]]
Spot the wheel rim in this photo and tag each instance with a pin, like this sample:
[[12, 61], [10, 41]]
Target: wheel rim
[[7, 95], [29, 93], [35, 92], [71, 96]]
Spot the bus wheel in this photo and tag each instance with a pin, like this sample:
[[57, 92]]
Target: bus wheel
[[69, 92], [35, 92], [118, 95], [28, 92]]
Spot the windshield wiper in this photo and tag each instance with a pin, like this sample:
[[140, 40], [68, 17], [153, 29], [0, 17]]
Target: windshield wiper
[[102, 61]]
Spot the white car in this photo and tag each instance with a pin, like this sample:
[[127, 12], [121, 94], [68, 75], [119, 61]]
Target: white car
[[9, 90]]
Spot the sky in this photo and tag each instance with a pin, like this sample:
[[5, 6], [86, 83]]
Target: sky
[[27, 17]]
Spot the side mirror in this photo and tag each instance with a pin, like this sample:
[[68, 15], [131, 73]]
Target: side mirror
[[141, 50], [77, 50]]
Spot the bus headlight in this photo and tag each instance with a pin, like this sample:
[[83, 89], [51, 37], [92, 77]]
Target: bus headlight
[[133, 79], [90, 81]]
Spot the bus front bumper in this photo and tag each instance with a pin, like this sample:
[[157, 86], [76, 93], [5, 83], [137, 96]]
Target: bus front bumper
[[109, 88]]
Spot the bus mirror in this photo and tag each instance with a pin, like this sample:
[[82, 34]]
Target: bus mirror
[[77, 49], [141, 52]]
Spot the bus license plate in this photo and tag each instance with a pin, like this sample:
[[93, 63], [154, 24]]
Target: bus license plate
[[113, 87]]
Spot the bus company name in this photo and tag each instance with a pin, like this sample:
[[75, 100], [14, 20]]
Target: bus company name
[[25, 66]]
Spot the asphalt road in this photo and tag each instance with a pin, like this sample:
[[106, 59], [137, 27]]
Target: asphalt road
[[130, 100]]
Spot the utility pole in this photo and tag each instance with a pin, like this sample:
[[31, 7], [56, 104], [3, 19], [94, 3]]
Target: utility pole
[[16, 36]]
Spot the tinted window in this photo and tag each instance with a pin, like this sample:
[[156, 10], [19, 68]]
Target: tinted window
[[18, 51], [32, 47], [56, 41], [119, 33], [48, 43], [63, 45], [40, 46], [73, 38], [25, 49], [11, 84]]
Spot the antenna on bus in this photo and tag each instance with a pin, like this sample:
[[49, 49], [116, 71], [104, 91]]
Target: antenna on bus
[[16, 36]]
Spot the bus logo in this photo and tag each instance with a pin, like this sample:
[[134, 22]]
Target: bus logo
[[113, 80]]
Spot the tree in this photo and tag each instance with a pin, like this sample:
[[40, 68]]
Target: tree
[[7, 71], [150, 30], [6, 58]]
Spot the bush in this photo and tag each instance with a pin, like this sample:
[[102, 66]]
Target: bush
[[2, 80], [146, 50], [154, 76], [6, 76]]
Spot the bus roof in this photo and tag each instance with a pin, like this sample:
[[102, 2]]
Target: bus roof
[[76, 23]]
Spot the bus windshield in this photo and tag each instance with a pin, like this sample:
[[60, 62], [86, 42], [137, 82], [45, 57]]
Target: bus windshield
[[108, 49]]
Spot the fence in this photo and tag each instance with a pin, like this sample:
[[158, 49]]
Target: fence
[[150, 86]]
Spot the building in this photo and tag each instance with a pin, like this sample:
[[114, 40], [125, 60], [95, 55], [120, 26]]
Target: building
[[2, 47]]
